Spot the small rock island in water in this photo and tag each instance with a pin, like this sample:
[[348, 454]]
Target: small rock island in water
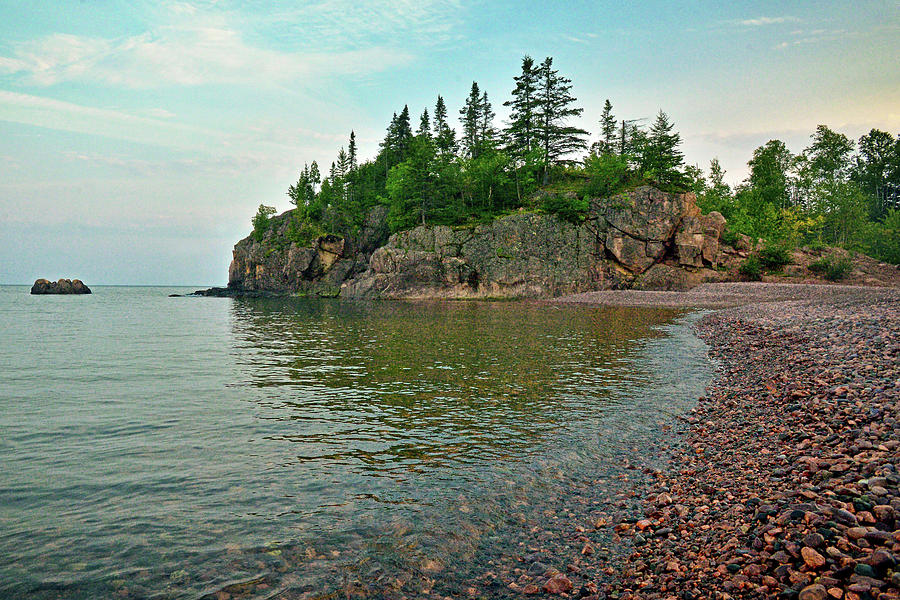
[[63, 286]]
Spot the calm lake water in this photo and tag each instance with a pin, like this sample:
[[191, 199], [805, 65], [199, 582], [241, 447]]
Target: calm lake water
[[156, 447]]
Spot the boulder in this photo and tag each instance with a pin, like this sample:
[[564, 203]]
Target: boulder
[[62, 286]]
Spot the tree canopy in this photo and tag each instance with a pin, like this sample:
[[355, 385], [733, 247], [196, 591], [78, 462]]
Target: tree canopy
[[834, 191]]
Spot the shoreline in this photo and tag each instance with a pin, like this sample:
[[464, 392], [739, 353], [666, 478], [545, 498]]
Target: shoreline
[[783, 482]]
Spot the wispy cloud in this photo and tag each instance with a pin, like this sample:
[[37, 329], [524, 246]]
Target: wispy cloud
[[763, 21], [68, 116], [200, 43], [187, 56]]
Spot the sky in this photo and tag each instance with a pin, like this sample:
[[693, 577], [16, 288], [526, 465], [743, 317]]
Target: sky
[[138, 138]]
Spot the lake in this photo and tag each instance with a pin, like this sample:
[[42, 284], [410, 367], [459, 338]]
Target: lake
[[157, 447]]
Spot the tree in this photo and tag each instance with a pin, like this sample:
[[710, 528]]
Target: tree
[[411, 186], [444, 135], [303, 192], [261, 221], [351, 152], [520, 133], [424, 125], [661, 159], [486, 132], [396, 142], [607, 129], [877, 166], [769, 179], [555, 106], [470, 117], [717, 195]]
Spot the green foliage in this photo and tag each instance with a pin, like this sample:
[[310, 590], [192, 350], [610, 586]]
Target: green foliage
[[825, 195], [751, 268], [660, 159], [882, 240], [567, 207], [833, 267], [774, 256], [262, 222], [607, 175], [302, 231], [729, 237]]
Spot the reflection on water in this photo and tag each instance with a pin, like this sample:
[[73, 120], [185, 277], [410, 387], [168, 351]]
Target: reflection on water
[[296, 447]]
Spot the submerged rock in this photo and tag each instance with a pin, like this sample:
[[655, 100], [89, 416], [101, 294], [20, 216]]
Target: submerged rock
[[62, 286]]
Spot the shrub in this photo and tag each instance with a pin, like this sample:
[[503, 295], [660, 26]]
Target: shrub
[[302, 231], [833, 267], [607, 175], [261, 221], [751, 268], [729, 237], [774, 256], [568, 208]]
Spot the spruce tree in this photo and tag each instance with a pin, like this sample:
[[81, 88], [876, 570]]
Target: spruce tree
[[486, 132], [470, 117], [555, 106], [520, 134], [608, 128], [661, 158], [444, 135], [351, 151], [424, 125]]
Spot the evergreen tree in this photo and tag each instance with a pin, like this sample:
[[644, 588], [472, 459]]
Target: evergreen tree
[[661, 158], [424, 125], [343, 164], [555, 106], [486, 131], [315, 177], [470, 117], [396, 142], [444, 135], [608, 129], [351, 151], [520, 133], [404, 132]]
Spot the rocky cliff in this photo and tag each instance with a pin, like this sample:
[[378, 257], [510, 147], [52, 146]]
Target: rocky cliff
[[537, 255], [642, 238], [275, 265]]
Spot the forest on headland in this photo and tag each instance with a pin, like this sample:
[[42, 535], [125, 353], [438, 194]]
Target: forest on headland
[[836, 192]]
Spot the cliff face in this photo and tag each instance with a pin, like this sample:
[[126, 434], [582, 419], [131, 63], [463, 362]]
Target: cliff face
[[275, 265], [643, 238], [536, 255]]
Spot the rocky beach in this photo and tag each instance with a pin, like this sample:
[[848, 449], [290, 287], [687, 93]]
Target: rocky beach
[[783, 481]]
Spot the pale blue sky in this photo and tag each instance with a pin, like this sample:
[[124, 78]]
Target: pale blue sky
[[138, 138]]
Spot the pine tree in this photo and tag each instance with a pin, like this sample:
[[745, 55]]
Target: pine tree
[[444, 135], [555, 107], [520, 134], [661, 159]]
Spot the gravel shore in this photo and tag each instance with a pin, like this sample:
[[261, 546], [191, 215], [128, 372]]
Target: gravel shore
[[784, 483], [725, 295]]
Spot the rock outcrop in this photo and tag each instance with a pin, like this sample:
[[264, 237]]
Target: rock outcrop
[[275, 265], [62, 286], [644, 237], [539, 255]]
